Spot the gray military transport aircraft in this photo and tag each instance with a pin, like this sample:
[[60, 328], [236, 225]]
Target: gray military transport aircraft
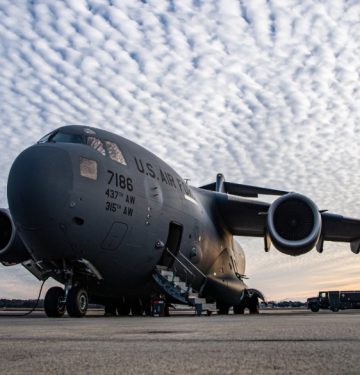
[[117, 226]]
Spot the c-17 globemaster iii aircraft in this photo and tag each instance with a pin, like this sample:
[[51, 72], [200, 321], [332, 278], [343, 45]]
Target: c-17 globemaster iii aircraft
[[117, 226]]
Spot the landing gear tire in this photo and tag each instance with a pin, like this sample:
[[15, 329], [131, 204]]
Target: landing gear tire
[[123, 308], [239, 309], [77, 302], [136, 308], [146, 304], [54, 302], [167, 309], [110, 310], [254, 305], [222, 309]]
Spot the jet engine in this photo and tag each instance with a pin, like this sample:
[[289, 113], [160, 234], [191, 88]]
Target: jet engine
[[294, 224], [12, 249]]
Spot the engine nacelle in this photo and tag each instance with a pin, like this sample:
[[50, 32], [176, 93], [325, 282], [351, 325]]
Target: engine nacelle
[[294, 224], [12, 249]]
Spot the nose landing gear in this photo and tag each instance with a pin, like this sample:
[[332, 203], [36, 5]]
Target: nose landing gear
[[74, 297], [76, 302]]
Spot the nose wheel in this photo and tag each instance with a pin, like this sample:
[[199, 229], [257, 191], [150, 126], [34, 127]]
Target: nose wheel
[[54, 302], [76, 302]]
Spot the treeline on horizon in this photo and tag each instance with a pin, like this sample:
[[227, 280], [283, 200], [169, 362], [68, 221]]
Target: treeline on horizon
[[27, 303], [30, 303], [20, 303]]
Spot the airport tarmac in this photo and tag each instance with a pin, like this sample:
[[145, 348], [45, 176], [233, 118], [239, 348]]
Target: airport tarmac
[[274, 342]]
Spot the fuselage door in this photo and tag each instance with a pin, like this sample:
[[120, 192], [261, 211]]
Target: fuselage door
[[172, 246]]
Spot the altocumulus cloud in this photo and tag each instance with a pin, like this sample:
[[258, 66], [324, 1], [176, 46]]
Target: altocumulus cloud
[[266, 92]]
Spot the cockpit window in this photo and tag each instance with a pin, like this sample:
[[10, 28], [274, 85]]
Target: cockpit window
[[115, 153], [62, 137], [108, 148], [96, 144], [66, 138], [45, 138]]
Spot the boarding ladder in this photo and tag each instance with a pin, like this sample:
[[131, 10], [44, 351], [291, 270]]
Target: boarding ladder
[[179, 290]]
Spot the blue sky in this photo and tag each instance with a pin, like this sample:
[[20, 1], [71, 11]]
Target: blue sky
[[266, 92]]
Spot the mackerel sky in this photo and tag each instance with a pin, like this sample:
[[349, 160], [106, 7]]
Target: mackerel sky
[[266, 92]]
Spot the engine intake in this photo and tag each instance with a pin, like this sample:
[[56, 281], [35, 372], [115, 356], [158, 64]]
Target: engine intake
[[12, 249], [294, 224]]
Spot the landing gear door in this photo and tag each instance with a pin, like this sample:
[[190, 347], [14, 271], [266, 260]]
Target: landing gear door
[[233, 263]]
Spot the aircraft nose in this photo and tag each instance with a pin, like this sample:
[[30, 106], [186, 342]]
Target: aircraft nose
[[39, 184]]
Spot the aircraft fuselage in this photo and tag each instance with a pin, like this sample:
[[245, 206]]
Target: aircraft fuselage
[[77, 197]]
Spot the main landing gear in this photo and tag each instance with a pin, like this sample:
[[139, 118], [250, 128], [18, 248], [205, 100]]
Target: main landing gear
[[125, 307], [250, 303], [75, 301]]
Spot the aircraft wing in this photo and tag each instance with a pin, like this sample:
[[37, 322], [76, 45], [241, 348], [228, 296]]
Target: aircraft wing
[[292, 222], [244, 217], [242, 190], [341, 229]]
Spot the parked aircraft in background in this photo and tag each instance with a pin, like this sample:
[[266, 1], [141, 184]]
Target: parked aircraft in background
[[117, 226]]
